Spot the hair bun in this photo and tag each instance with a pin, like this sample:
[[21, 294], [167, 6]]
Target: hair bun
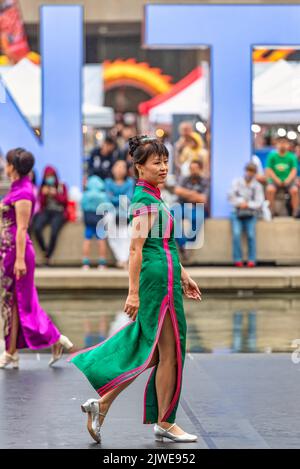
[[134, 142], [23, 161]]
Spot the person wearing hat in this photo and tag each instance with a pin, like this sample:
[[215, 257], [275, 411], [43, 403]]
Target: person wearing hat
[[193, 151], [246, 196]]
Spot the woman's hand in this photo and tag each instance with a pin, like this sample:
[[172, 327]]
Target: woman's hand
[[52, 190], [190, 288], [45, 190], [132, 305], [20, 268]]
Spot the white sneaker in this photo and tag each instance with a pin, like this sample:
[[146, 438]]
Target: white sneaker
[[65, 343], [6, 358], [161, 433]]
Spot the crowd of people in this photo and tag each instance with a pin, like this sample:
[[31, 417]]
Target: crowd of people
[[109, 179], [253, 196], [188, 182]]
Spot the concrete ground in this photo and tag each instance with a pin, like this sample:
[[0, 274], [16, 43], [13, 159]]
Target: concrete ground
[[229, 401]]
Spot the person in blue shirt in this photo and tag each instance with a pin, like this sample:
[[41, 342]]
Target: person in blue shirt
[[94, 195], [119, 189]]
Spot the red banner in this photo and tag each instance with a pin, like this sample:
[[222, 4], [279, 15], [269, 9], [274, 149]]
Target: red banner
[[13, 40]]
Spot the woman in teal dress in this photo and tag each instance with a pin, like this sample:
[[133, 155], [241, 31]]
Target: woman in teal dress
[[156, 335]]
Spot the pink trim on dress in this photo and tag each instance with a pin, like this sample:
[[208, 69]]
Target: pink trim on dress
[[125, 377], [154, 195], [174, 320], [98, 345], [116, 381], [179, 361], [145, 209], [143, 182]]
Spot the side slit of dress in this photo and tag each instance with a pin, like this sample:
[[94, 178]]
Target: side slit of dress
[[152, 375], [14, 317]]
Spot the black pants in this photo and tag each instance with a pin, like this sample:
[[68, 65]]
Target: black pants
[[48, 217]]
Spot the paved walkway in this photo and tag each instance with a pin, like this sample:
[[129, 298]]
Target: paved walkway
[[229, 401]]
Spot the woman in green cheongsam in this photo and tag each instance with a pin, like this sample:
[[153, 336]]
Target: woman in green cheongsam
[[156, 335]]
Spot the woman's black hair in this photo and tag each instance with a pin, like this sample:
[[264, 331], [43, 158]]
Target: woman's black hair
[[21, 160], [142, 146]]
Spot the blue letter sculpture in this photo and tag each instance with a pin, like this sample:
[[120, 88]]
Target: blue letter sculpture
[[62, 56], [231, 31]]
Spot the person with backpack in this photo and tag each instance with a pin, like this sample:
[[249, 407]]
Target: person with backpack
[[94, 195], [246, 196]]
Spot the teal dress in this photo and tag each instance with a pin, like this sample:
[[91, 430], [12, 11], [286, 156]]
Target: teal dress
[[127, 353]]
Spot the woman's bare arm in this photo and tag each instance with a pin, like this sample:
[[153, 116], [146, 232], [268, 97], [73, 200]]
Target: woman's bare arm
[[23, 211], [141, 226]]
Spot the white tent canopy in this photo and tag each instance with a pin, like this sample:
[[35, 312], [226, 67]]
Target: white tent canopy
[[189, 101], [276, 97], [276, 94], [23, 81], [189, 96]]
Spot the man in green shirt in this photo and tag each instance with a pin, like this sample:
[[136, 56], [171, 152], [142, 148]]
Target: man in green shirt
[[281, 172]]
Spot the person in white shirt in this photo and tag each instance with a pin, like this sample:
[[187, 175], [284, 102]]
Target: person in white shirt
[[246, 195]]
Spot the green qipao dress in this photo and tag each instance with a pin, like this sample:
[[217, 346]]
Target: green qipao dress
[[127, 353]]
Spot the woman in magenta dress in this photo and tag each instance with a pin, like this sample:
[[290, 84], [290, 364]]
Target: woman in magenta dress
[[25, 323]]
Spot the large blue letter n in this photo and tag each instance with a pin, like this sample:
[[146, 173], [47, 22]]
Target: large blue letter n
[[62, 55]]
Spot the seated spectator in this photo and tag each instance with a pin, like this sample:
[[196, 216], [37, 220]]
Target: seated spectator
[[53, 202], [194, 190], [165, 139], [94, 195], [297, 153], [247, 197], [102, 159], [281, 173], [185, 129], [119, 185], [193, 151], [167, 190]]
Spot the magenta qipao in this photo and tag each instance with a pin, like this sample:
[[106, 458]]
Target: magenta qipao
[[36, 329]]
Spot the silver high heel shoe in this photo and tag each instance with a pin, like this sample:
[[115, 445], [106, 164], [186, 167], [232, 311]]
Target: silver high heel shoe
[[161, 433], [6, 358], [65, 343], [91, 406]]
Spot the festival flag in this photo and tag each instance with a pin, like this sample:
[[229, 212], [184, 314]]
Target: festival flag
[[13, 40]]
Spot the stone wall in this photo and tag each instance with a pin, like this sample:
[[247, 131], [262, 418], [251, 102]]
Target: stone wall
[[278, 241]]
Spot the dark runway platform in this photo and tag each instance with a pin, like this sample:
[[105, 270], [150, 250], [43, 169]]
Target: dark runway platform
[[229, 401]]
